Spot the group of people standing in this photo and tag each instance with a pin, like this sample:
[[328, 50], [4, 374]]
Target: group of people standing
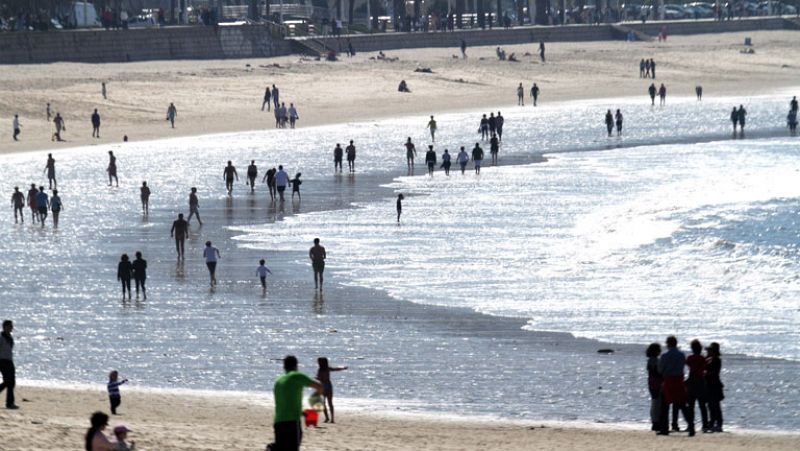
[[647, 68], [703, 387], [37, 199], [491, 127], [283, 115]]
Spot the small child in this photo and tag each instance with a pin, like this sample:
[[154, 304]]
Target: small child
[[262, 272], [122, 433], [113, 390], [324, 378], [296, 186]]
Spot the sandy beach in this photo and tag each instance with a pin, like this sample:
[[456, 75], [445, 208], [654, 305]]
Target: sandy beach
[[225, 96], [57, 418]]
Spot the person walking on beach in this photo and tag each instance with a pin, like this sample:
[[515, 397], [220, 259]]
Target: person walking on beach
[[500, 121], [281, 181], [49, 114], [652, 91], [275, 97], [483, 128], [252, 175], [55, 207], [742, 114], [43, 204], [494, 148], [293, 117], [411, 152], [296, 182], [194, 206], [534, 94], [430, 160], [446, 162], [171, 113], [7, 369], [15, 126], [103, 90], [112, 168], [520, 95], [646, 68], [269, 178], [211, 254], [670, 365], [114, 395], [180, 230], [541, 51], [124, 274], [653, 68], [791, 121], [144, 195], [477, 157], [662, 94], [698, 90], [50, 169], [492, 124], [696, 383], [618, 121], [267, 100], [95, 440], [338, 155], [228, 174], [324, 377], [400, 198], [95, 124], [351, 156], [793, 104], [714, 387], [31, 198], [462, 158], [641, 68], [139, 267], [262, 272], [734, 120], [18, 204], [432, 126], [609, 122], [654, 382], [288, 395], [463, 49], [317, 255], [58, 121]]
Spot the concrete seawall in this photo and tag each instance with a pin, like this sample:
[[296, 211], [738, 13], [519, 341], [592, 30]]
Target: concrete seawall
[[253, 41], [100, 46]]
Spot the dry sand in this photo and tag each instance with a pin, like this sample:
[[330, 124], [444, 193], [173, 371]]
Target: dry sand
[[224, 96], [58, 418]]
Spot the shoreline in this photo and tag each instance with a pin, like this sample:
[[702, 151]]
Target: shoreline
[[190, 422]]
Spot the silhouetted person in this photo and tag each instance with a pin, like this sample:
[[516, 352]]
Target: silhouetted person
[[95, 124], [112, 168], [144, 194], [252, 175], [228, 174], [317, 255], [50, 168], [180, 231], [7, 369], [670, 365], [194, 206], [124, 274], [139, 266]]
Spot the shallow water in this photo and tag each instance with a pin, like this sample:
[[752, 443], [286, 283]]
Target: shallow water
[[624, 245]]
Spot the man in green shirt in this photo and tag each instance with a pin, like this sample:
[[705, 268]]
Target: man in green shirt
[[288, 391]]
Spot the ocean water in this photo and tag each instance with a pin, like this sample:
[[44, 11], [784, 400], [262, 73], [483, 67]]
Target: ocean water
[[674, 228]]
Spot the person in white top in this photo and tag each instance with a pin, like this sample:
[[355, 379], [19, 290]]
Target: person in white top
[[211, 254], [293, 117], [462, 159], [281, 181]]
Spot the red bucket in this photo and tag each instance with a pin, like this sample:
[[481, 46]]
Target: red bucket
[[311, 417]]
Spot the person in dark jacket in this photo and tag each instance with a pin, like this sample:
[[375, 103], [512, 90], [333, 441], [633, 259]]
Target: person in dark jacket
[[714, 387], [654, 381], [673, 390], [140, 274], [124, 273]]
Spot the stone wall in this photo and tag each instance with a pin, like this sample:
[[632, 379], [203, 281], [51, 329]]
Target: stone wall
[[252, 41], [96, 46]]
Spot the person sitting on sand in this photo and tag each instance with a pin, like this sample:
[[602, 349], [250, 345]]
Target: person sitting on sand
[[501, 54], [121, 432], [95, 439], [403, 87], [513, 58]]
